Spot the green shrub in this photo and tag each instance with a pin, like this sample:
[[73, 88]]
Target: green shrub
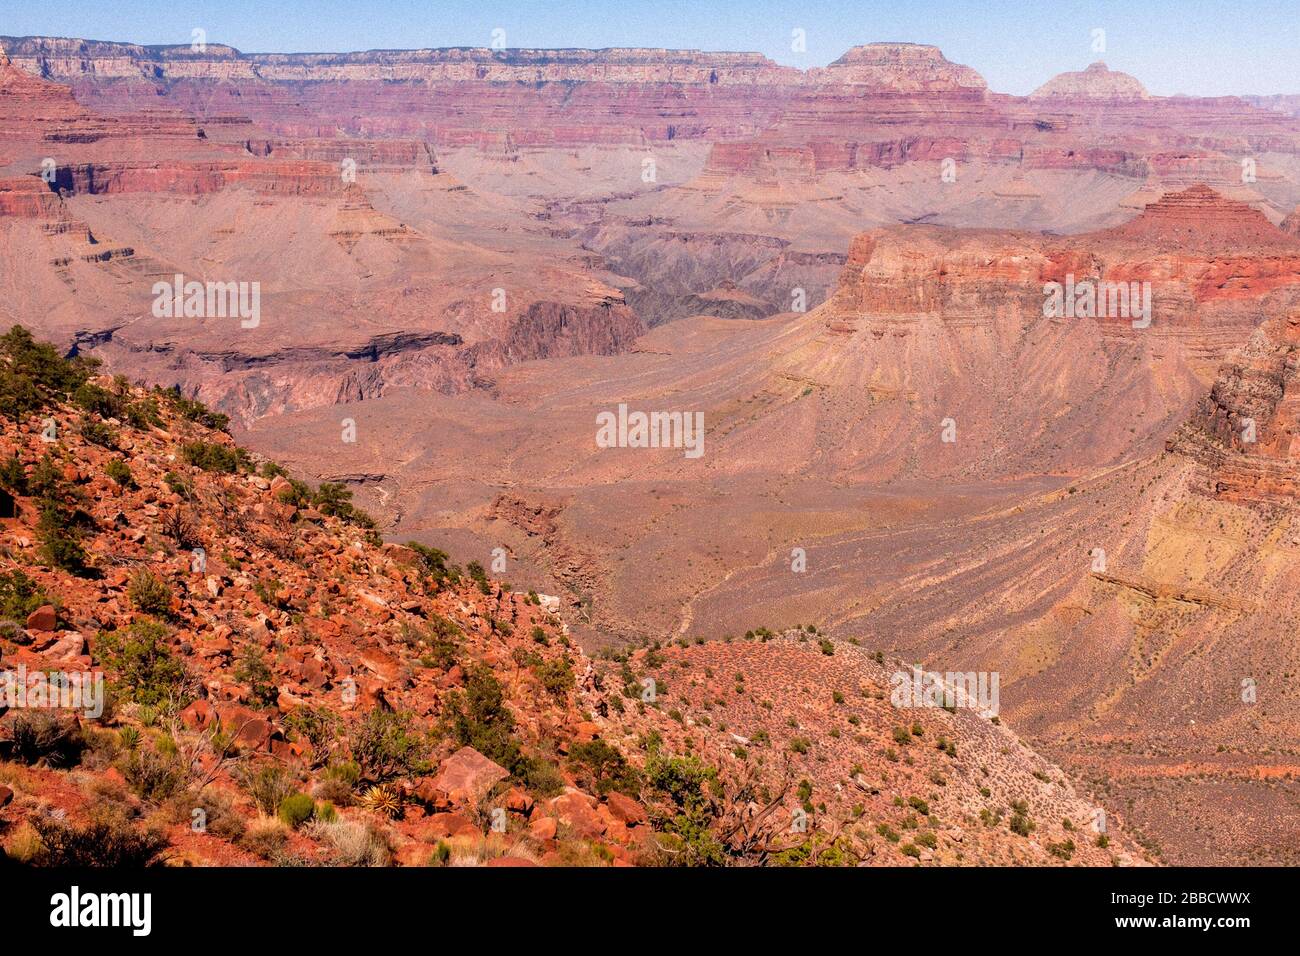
[[143, 414], [337, 783], [556, 676], [438, 642], [195, 411], [19, 596], [1063, 850], [538, 776], [42, 362], [268, 785], [149, 593], [60, 541], [478, 576], [434, 564], [153, 776], [478, 717], [295, 493], [13, 475], [608, 767], [178, 485], [252, 670], [387, 745], [296, 809], [316, 726], [99, 400], [686, 828], [33, 374], [44, 735], [212, 457], [333, 499], [19, 396], [119, 472], [97, 433]]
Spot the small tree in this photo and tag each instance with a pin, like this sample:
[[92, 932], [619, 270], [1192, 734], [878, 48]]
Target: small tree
[[252, 670], [147, 670]]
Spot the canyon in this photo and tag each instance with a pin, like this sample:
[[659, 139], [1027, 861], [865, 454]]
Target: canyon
[[466, 256]]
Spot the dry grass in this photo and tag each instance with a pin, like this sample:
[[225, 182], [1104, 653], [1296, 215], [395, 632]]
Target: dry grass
[[25, 844], [470, 850], [265, 837], [352, 843]]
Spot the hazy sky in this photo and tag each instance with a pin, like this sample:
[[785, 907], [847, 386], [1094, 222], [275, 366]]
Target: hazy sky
[[1205, 47]]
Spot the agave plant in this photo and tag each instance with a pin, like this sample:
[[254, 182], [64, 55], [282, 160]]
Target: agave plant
[[383, 798]]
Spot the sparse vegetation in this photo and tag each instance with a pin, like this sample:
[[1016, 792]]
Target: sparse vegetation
[[253, 671], [388, 745], [108, 841]]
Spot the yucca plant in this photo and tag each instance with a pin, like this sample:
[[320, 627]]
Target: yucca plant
[[383, 798]]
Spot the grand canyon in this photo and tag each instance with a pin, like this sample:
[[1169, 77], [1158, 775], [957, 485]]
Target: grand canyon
[[611, 457]]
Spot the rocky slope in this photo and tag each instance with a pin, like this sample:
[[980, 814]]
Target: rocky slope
[[803, 724], [282, 687]]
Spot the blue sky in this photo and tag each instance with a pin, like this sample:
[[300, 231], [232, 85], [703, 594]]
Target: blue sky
[[1199, 47]]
